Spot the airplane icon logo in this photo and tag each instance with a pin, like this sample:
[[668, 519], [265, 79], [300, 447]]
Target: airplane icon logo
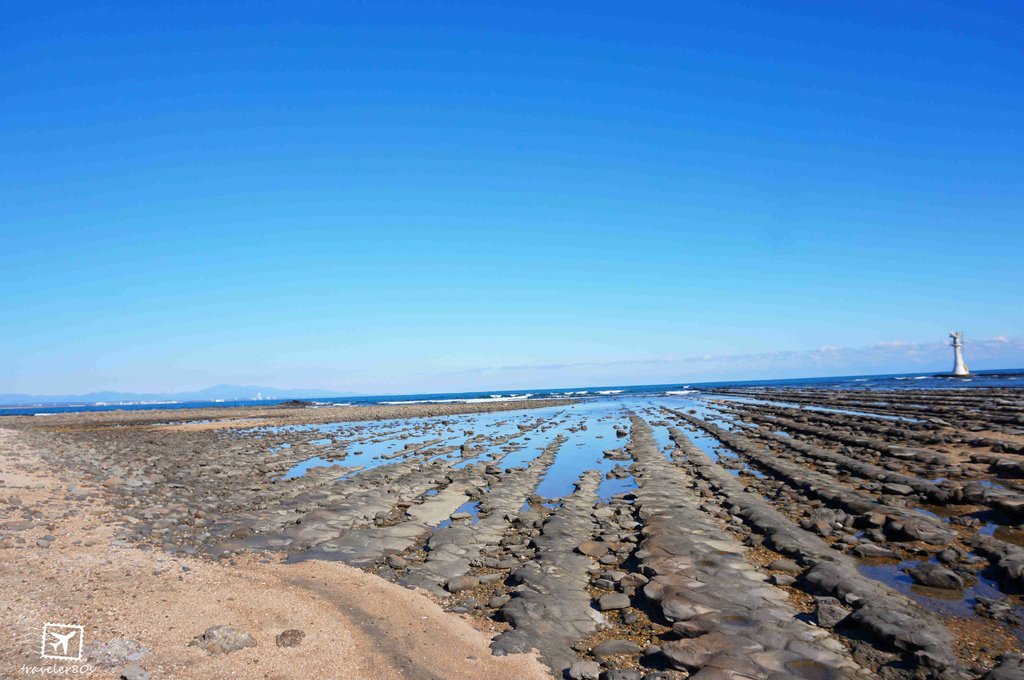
[[62, 641]]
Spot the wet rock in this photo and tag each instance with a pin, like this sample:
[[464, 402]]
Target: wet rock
[[1007, 558], [222, 640], [290, 638], [616, 454], [618, 472], [930, 574], [999, 609], [873, 550]]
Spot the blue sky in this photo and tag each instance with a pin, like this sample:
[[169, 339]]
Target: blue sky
[[431, 196]]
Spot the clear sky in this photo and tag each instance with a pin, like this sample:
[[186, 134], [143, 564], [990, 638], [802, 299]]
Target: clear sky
[[386, 197]]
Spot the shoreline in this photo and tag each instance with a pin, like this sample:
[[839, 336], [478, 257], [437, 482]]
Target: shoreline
[[354, 624], [651, 535], [268, 415]]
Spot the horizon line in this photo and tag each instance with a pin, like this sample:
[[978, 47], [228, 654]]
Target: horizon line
[[515, 391]]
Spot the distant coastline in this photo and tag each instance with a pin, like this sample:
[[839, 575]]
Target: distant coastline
[[1012, 377]]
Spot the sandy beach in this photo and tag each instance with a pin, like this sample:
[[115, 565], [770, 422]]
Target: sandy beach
[[354, 624], [744, 533]]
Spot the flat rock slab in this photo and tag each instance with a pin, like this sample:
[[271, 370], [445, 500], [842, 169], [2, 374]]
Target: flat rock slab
[[439, 507]]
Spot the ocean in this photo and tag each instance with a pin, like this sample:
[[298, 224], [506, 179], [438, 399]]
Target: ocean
[[993, 378]]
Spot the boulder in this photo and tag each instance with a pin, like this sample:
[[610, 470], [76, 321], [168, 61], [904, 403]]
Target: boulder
[[897, 489], [460, 583], [828, 611], [930, 574], [613, 601], [634, 580], [593, 548], [615, 647], [585, 670], [788, 566], [621, 674]]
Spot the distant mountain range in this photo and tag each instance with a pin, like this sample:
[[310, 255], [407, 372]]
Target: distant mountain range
[[225, 392]]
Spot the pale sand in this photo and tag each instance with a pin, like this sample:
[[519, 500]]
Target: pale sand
[[357, 625]]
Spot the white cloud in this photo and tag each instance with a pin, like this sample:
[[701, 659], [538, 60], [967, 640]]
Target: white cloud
[[896, 356]]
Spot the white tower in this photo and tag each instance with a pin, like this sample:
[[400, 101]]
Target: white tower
[[959, 367]]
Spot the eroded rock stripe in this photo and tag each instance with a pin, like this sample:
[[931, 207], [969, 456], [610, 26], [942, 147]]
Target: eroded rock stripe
[[888, 617], [728, 617], [551, 609], [452, 551], [899, 523]]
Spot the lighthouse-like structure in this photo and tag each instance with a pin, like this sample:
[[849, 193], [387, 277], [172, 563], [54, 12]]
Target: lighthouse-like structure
[[959, 367]]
